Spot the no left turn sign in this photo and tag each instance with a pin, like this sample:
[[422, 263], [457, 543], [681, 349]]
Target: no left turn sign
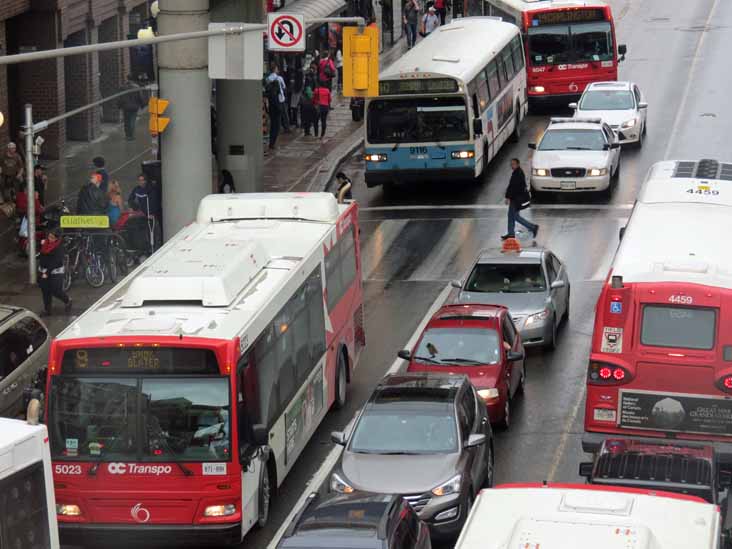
[[285, 32]]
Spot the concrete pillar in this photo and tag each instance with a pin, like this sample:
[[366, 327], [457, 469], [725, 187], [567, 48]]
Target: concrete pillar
[[186, 144], [110, 65], [82, 87], [238, 103]]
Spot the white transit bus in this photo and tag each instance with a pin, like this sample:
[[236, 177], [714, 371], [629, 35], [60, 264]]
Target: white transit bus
[[447, 106]]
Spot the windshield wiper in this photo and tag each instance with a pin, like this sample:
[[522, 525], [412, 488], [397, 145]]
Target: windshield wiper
[[578, 149], [427, 359], [400, 453], [461, 360]]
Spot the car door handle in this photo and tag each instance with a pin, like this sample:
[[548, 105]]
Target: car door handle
[[484, 421]]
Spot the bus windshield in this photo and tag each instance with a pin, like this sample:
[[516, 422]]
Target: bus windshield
[[418, 120], [97, 418], [576, 43]]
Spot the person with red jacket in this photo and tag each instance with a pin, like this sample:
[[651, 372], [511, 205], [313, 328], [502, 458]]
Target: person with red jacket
[[326, 70], [321, 101], [21, 204], [51, 272]]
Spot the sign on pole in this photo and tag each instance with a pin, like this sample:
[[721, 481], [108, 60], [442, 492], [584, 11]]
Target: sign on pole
[[285, 32]]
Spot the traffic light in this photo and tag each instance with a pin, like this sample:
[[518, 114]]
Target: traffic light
[[360, 62], [158, 123]]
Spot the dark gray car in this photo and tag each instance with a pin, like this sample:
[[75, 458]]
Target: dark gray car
[[532, 283], [424, 436]]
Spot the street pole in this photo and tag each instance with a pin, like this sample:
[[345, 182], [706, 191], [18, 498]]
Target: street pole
[[30, 192]]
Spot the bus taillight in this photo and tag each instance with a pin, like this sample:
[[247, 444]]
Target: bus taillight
[[600, 373], [725, 384]]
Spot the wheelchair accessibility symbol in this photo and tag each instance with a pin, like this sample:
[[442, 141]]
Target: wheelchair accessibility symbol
[[616, 307]]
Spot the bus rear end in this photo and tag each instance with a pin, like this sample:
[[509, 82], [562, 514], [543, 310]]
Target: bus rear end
[[141, 440], [567, 48], [661, 364]]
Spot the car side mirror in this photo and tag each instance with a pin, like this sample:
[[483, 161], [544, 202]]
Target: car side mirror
[[260, 435], [475, 440], [621, 233], [622, 49], [557, 284], [513, 356], [338, 437], [457, 284], [477, 126], [573, 106], [642, 105], [404, 354], [585, 469], [532, 146], [614, 145]]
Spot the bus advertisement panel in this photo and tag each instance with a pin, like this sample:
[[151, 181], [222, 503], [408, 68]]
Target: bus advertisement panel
[[178, 403]]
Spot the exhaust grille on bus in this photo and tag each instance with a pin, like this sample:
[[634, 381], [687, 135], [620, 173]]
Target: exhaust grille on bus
[[704, 169], [662, 468]]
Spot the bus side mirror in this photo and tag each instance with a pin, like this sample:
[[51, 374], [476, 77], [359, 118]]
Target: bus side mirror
[[724, 479], [532, 146], [477, 126], [260, 435], [622, 49], [621, 233], [404, 354], [572, 106]]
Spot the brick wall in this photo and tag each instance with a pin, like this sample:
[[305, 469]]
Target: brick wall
[[82, 87], [11, 8], [109, 68]]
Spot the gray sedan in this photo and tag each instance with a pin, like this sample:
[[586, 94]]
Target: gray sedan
[[532, 283]]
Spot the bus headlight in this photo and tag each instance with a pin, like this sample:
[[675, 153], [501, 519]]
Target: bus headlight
[[374, 157], [628, 124], [462, 155], [537, 89], [541, 172], [595, 172], [219, 510], [67, 510]]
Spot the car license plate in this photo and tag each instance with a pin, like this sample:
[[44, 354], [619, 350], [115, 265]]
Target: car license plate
[[602, 414], [568, 185]]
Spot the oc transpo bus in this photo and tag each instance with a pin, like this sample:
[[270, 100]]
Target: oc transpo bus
[[447, 106], [661, 356], [178, 402], [568, 43]]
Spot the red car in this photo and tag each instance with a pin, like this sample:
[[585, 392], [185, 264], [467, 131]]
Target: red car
[[481, 342]]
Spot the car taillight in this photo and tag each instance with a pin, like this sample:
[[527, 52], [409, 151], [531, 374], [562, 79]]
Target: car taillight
[[725, 384], [608, 374]]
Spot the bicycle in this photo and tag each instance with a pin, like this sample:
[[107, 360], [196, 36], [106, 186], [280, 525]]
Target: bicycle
[[80, 253]]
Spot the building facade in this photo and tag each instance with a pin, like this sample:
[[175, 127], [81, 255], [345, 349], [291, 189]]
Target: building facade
[[60, 85]]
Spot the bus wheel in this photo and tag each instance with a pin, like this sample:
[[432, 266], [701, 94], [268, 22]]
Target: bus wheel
[[341, 382], [516, 135], [265, 497]]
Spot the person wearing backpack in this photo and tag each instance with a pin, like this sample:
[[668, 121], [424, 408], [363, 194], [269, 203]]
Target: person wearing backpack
[[321, 100], [326, 70], [275, 93]]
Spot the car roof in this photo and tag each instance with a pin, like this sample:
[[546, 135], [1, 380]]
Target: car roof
[[439, 387], [348, 511], [469, 311], [526, 255], [6, 311], [612, 86], [575, 124]]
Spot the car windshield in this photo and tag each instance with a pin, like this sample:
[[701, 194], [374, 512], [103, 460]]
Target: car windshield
[[506, 278], [417, 120], [576, 43], [406, 426], [572, 140], [607, 100], [143, 419], [468, 346]]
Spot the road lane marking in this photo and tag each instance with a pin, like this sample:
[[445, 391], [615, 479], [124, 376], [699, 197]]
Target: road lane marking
[[321, 474], [378, 244], [689, 82], [494, 207], [601, 272], [564, 438]]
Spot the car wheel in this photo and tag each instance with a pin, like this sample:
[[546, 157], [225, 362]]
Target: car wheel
[[551, 343], [489, 467], [566, 309], [341, 383], [265, 498], [516, 135], [645, 128], [505, 422]]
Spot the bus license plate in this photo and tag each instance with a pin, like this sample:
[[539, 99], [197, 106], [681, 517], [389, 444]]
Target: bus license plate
[[601, 414], [567, 185]]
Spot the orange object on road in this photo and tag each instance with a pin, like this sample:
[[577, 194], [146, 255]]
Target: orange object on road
[[511, 245]]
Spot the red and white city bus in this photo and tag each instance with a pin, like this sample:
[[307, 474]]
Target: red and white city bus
[[568, 44], [661, 357], [178, 402]]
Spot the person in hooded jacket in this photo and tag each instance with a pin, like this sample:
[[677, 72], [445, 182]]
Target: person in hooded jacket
[[51, 272]]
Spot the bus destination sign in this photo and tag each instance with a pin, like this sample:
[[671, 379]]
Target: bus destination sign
[[557, 17], [417, 85], [134, 360]]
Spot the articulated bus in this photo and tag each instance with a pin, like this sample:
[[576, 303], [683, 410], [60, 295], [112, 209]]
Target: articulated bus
[[568, 44], [661, 358], [447, 106], [178, 402]]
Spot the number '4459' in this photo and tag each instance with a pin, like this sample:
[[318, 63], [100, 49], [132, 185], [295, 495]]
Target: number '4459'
[[711, 192], [681, 299]]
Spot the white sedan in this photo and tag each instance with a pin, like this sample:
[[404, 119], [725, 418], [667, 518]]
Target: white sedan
[[575, 155], [620, 104]]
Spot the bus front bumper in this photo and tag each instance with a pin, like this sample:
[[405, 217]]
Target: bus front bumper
[[101, 535], [375, 178]]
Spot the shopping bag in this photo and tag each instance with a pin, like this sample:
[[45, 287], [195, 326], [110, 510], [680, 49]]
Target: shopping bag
[[23, 232]]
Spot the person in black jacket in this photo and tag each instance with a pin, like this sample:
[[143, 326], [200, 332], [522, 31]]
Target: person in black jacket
[[51, 272], [91, 199], [517, 193]]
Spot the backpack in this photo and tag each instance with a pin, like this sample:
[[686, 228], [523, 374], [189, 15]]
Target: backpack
[[272, 90], [326, 69]]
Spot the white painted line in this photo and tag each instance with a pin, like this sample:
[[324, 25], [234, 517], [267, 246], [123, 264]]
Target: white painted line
[[690, 81], [495, 207], [607, 259], [330, 461], [564, 439]]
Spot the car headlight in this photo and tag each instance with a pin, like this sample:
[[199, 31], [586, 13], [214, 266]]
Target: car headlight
[[488, 394], [541, 316], [375, 157], [594, 172], [337, 484], [541, 172], [628, 123], [462, 155], [452, 486]]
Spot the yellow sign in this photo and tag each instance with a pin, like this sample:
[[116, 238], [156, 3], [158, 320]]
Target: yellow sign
[[360, 62], [158, 123], [84, 222]]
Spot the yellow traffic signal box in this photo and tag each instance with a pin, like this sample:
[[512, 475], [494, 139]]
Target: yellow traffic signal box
[[158, 123], [360, 62]]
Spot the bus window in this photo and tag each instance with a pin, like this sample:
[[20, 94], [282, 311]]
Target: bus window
[[493, 83], [501, 71], [484, 96], [517, 54], [508, 62], [679, 327], [549, 45], [592, 42]]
